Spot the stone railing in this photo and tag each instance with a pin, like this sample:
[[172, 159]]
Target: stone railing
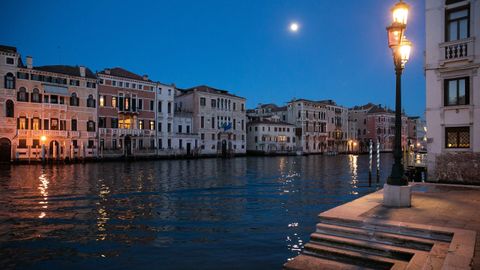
[[458, 49]]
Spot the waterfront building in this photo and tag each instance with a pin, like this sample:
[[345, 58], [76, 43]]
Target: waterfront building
[[376, 123], [270, 135], [54, 108], [219, 117], [416, 133], [126, 113], [337, 127], [165, 106], [353, 142], [9, 62], [452, 61], [185, 142], [310, 120]]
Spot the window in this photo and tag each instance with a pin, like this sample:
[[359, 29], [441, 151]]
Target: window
[[102, 122], [101, 101], [140, 124], [35, 143], [114, 102], [213, 122], [63, 125], [213, 103], [114, 83], [140, 104], [456, 92], [36, 97], [90, 101], [22, 94], [10, 61], [91, 85], [46, 124], [22, 123], [74, 125], [90, 126], [169, 107], [74, 100], [202, 101], [169, 143], [36, 123], [22, 75], [54, 99], [202, 122], [179, 128], [114, 122], [134, 85], [9, 81], [457, 23], [9, 108], [159, 125], [54, 124], [457, 137], [152, 125], [152, 105], [75, 82], [188, 129], [169, 127], [120, 84], [159, 106], [22, 143]]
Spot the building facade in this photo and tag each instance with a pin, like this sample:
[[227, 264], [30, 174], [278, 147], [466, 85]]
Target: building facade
[[54, 108], [219, 117], [337, 127], [452, 61], [126, 114], [269, 135]]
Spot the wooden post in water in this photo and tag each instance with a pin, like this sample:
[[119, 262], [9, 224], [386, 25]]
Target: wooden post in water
[[370, 154], [378, 160]]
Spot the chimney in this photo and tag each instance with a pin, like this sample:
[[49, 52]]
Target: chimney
[[145, 77], [107, 71], [82, 71], [29, 62]]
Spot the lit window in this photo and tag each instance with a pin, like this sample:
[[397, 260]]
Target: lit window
[[457, 137], [102, 101], [114, 102]]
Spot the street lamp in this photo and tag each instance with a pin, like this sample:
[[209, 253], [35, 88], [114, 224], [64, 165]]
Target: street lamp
[[397, 192]]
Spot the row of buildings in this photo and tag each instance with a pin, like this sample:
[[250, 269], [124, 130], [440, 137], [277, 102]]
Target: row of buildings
[[311, 127], [70, 112]]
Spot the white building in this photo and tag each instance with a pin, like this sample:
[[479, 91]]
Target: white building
[[185, 142], [164, 115], [452, 61], [218, 117], [270, 136]]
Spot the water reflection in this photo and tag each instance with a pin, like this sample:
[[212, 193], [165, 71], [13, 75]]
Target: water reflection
[[43, 187], [207, 214]]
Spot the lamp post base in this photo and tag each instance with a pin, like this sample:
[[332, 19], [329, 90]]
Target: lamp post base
[[397, 196]]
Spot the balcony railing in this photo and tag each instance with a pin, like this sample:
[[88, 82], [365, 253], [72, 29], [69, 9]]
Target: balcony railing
[[457, 50], [125, 131]]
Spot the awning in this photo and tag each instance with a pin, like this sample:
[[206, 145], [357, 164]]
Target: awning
[[53, 89]]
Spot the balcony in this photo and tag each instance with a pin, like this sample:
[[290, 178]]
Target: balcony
[[125, 132], [457, 50], [39, 133]]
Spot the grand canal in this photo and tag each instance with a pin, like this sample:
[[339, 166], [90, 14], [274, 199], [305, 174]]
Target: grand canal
[[241, 213]]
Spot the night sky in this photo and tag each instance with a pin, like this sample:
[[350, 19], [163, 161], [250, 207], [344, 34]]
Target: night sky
[[340, 51]]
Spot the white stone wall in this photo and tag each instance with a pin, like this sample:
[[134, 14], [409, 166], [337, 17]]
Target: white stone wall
[[438, 68], [267, 137]]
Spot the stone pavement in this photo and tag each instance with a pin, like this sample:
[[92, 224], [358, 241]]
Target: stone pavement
[[437, 232]]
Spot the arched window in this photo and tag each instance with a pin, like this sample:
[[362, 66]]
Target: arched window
[[90, 101], [22, 94], [9, 108], [74, 101], [36, 97], [9, 81]]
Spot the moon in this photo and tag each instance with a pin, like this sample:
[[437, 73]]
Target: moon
[[294, 27]]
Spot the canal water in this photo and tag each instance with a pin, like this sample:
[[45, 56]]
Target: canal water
[[241, 213]]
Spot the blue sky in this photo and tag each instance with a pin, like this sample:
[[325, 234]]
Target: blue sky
[[244, 46]]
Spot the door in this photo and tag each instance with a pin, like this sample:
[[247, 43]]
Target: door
[[224, 148], [189, 145], [5, 150], [128, 145], [54, 149]]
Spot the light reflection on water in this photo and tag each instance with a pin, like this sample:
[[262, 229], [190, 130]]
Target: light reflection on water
[[247, 213]]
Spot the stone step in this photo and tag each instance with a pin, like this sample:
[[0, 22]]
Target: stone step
[[351, 257], [387, 228], [374, 236], [303, 262], [392, 252]]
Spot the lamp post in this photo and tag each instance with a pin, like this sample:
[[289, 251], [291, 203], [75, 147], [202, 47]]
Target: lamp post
[[397, 192]]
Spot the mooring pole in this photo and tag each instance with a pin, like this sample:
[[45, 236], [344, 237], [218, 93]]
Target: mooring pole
[[378, 160], [370, 153]]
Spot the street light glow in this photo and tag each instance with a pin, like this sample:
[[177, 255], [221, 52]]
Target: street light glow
[[43, 138]]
